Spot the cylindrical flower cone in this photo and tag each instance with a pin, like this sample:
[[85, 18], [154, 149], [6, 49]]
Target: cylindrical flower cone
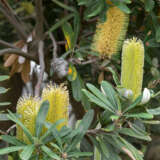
[[111, 33], [59, 101], [27, 108], [132, 66]]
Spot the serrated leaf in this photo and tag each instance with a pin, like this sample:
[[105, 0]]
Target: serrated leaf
[[11, 149], [50, 153], [27, 152], [110, 94], [134, 104], [101, 96], [97, 101], [12, 140]]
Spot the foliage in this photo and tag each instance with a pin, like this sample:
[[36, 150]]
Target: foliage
[[111, 122]]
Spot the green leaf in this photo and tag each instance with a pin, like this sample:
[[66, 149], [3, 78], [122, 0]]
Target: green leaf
[[4, 77], [50, 153], [124, 8], [77, 24], [27, 152], [72, 73], [96, 100], [4, 117], [134, 104], [115, 76], [40, 119], [104, 149], [155, 111], [110, 94], [11, 149], [134, 133], [82, 128], [3, 90], [12, 140], [149, 5], [50, 129], [77, 86], [56, 146], [79, 154], [64, 5], [94, 9], [140, 115], [68, 33], [61, 22], [158, 34], [12, 117], [101, 96], [4, 103]]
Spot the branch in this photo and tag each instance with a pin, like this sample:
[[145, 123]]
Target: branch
[[42, 67], [6, 44], [39, 19], [18, 52], [9, 14]]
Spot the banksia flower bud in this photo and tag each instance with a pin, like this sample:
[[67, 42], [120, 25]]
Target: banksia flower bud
[[110, 34], [27, 108], [59, 101], [132, 66]]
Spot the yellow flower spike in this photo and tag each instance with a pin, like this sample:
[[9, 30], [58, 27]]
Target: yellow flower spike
[[110, 34], [27, 108], [58, 98], [132, 66]]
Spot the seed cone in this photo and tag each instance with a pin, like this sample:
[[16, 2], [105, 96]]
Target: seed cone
[[132, 66], [110, 34]]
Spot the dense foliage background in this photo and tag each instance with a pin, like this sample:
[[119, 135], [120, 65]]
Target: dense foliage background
[[58, 36]]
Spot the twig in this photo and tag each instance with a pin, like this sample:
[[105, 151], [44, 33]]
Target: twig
[[18, 52], [54, 45], [6, 44], [9, 14], [39, 19], [77, 61], [10, 128], [39, 37], [42, 67]]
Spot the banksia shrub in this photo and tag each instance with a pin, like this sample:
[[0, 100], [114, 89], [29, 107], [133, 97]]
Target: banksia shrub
[[28, 107], [110, 34], [132, 66], [59, 101]]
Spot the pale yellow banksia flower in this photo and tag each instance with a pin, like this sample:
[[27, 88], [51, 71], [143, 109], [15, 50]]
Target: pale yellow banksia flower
[[132, 66], [111, 33], [58, 98], [27, 108]]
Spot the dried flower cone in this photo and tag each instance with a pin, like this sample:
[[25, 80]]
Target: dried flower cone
[[59, 101], [132, 66], [27, 108], [110, 34]]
